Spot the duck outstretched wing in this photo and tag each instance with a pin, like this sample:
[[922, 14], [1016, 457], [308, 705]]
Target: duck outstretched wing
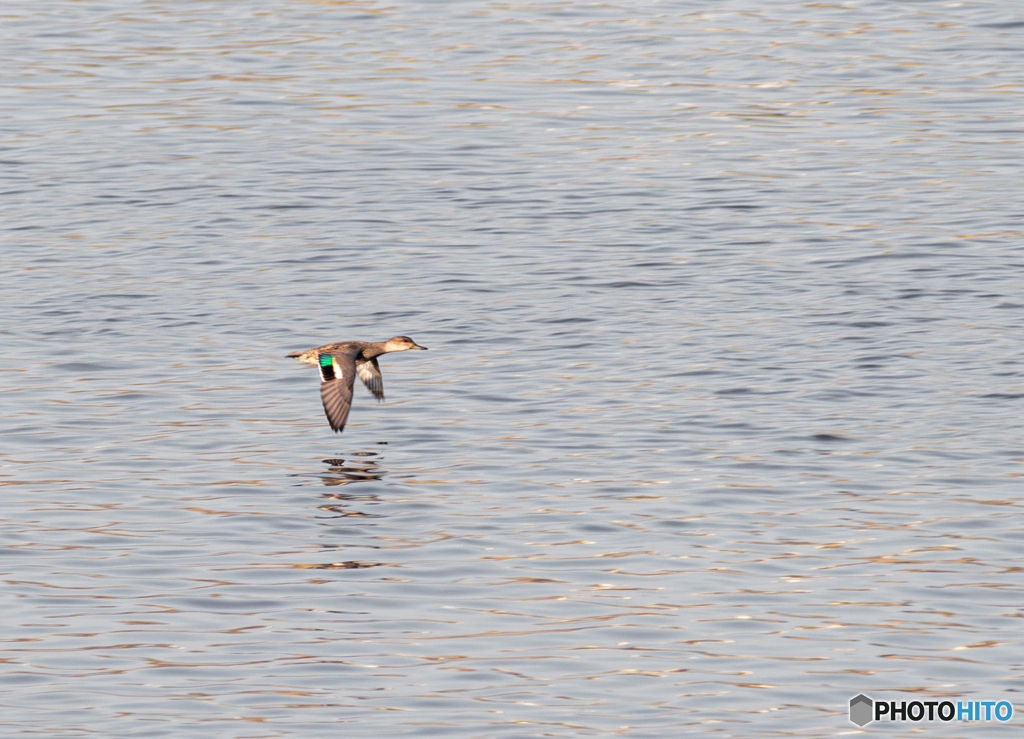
[[369, 372], [337, 375]]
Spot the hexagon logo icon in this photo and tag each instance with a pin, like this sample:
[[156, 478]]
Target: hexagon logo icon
[[861, 710]]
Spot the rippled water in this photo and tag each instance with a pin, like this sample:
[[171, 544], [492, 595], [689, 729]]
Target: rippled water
[[720, 424]]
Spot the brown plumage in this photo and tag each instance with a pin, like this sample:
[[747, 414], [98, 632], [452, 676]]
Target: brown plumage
[[341, 362]]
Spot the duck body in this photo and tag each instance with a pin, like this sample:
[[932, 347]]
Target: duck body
[[339, 364]]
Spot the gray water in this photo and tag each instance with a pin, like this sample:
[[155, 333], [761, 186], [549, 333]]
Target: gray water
[[720, 422]]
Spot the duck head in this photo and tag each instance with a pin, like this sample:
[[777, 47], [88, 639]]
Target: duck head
[[401, 344]]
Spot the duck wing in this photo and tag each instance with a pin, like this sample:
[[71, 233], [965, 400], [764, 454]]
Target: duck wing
[[369, 372], [337, 375]]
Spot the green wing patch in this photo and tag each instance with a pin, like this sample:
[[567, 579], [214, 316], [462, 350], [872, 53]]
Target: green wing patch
[[326, 367]]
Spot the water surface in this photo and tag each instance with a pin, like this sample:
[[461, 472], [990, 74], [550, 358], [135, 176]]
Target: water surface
[[720, 422]]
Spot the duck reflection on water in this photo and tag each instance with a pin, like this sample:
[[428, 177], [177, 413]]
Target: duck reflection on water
[[340, 473]]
